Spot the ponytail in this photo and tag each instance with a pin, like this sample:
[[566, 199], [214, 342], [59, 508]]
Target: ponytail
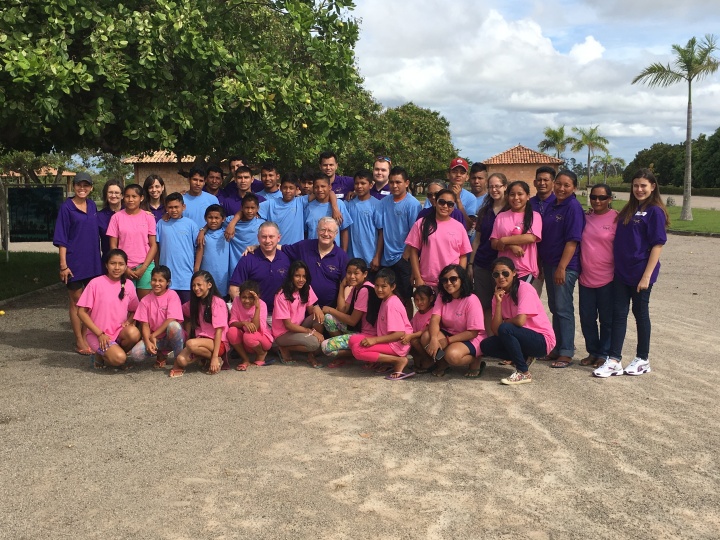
[[123, 279]]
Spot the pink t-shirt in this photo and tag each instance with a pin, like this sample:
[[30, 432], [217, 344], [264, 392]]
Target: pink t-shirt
[[421, 320], [445, 246], [462, 314], [361, 304], [132, 231], [219, 319], [529, 304], [296, 311], [155, 310], [106, 310], [392, 317], [238, 314], [508, 221], [597, 262]]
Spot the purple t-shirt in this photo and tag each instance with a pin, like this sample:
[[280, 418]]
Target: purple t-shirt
[[269, 274], [326, 273], [233, 203], [103, 220], [634, 241], [539, 205], [456, 214], [485, 254], [77, 231], [562, 222], [342, 185], [379, 194], [158, 212]]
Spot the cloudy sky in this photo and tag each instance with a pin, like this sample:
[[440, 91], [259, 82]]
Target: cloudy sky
[[502, 70]]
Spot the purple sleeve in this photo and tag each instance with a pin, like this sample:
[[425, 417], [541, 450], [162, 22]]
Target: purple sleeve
[[62, 227], [656, 234], [292, 250], [575, 222]]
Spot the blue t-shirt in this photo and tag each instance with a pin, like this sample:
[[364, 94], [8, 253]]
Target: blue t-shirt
[[195, 206], [245, 235], [289, 216], [177, 239], [367, 221], [468, 200], [216, 257], [270, 195], [315, 210], [398, 218]]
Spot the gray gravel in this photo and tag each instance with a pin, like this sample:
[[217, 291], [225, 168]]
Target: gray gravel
[[293, 452]]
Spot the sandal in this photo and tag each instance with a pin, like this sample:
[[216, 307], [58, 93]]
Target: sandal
[[242, 367], [159, 363], [441, 369], [560, 364], [336, 363], [382, 369], [177, 372], [505, 363], [427, 369], [314, 363], [476, 373], [589, 360]]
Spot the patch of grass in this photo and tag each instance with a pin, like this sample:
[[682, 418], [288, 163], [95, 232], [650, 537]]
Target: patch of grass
[[26, 272]]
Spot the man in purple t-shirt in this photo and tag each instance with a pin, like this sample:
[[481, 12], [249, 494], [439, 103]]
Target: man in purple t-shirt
[[544, 178], [340, 185]]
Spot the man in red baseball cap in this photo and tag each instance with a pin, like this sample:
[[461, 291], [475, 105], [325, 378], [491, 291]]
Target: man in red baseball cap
[[457, 176]]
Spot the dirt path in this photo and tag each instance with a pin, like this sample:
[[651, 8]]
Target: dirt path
[[292, 452]]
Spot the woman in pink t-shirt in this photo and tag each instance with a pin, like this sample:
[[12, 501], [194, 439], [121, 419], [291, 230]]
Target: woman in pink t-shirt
[[392, 325], [517, 231], [249, 332], [297, 319], [207, 314], [522, 329], [597, 269], [106, 308], [457, 325], [133, 230], [160, 316]]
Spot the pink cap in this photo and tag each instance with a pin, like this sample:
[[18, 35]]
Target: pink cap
[[459, 162]]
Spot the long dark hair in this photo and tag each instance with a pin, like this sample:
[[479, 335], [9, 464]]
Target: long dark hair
[[149, 181], [361, 265], [608, 192], [515, 285], [429, 222], [206, 302], [466, 288], [528, 216], [288, 287], [374, 302], [633, 204], [123, 279]]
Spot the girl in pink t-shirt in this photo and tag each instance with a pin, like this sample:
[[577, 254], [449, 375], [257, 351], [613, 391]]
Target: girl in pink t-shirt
[[133, 230], [106, 308], [522, 329], [392, 324], [456, 326], [297, 319], [517, 230], [436, 241], [160, 316], [207, 326], [357, 308], [249, 332], [424, 298]]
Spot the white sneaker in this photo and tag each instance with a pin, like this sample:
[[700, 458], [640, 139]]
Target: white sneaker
[[638, 367], [609, 369]]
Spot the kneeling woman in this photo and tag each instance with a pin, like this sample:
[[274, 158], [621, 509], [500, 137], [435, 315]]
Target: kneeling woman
[[456, 326], [521, 326], [106, 308]]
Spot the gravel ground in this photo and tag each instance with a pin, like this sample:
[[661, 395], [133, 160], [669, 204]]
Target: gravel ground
[[293, 452]]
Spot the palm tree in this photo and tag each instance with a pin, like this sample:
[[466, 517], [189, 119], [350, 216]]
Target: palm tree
[[591, 139], [554, 139], [607, 161], [694, 61]]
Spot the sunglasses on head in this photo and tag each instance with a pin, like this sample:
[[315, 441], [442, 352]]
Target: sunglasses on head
[[451, 279], [383, 158], [504, 273], [599, 197], [444, 202]]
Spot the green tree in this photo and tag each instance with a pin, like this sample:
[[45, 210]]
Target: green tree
[[662, 159], [197, 77], [607, 162], [707, 171], [555, 139], [591, 139], [695, 61]]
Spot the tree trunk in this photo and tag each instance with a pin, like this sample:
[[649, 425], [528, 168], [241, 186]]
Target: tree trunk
[[588, 170], [686, 213]]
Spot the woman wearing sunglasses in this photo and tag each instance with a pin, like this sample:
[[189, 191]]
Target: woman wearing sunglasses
[[521, 326], [436, 241], [596, 276], [456, 326]]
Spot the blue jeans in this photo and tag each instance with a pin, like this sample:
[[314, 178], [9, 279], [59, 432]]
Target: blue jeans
[[560, 302], [514, 343], [596, 303], [622, 296]]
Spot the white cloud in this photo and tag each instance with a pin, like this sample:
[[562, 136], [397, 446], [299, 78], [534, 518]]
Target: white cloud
[[586, 52]]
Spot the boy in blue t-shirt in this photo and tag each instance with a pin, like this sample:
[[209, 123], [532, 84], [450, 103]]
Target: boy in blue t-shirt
[[366, 229], [177, 238], [269, 176], [289, 211], [321, 207], [196, 200], [213, 254], [246, 229]]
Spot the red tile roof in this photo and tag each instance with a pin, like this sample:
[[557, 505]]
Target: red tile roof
[[160, 156], [45, 171], [522, 155]]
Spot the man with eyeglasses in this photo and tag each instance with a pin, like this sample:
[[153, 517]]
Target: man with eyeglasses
[[381, 175], [544, 199]]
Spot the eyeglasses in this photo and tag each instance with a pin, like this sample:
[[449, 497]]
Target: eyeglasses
[[328, 231], [496, 188], [383, 158], [451, 279], [433, 194], [504, 273], [444, 202], [599, 197]]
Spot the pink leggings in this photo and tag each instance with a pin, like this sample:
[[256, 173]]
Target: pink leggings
[[368, 354], [249, 341]]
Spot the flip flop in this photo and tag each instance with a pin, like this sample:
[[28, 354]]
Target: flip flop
[[383, 369], [241, 367], [560, 364], [287, 362], [505, 363], [336, 363], [85, 352], [431, 367], [400, 375], [476, 373], [159, 364], [176, 372]]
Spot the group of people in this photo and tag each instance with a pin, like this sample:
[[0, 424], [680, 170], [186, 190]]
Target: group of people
[[355, 267]]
